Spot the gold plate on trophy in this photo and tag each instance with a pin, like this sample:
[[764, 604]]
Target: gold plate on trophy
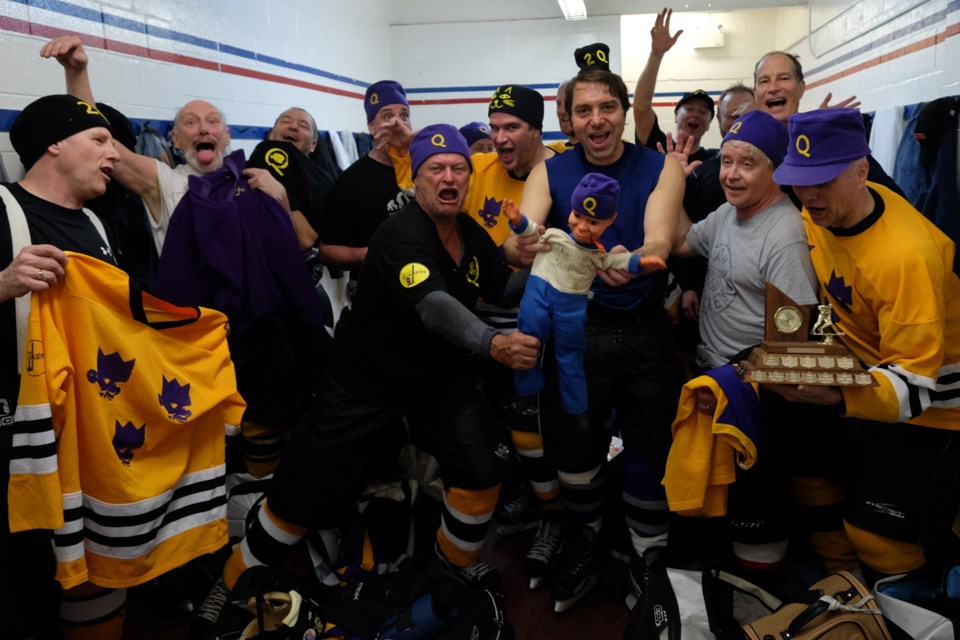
[[787, 319]]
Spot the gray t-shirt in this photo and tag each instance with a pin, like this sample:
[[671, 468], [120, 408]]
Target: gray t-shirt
[[742, 257]]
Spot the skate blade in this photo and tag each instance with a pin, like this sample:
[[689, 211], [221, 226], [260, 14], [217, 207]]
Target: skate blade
[[559, 606]]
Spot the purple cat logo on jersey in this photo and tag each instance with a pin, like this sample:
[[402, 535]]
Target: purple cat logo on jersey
[[127, 438], [840, 292], [111, 370], [490, 211], [175, 398]]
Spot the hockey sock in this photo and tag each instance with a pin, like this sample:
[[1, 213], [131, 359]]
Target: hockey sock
[[89, 612], [541, 474], [645, 502], [583, 495], [267, 542], [463, 525], [262, 447], [819, 509]]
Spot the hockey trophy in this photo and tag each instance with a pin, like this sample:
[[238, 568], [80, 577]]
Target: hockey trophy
[[788, 355]]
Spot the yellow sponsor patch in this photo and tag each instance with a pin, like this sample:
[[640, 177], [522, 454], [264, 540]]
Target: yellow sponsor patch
[[413, 274]]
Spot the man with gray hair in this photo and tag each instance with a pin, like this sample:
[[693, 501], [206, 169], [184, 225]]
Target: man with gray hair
[[754, 239], [887, 272], [199, 130]]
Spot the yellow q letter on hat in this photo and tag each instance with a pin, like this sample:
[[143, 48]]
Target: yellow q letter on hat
[[803, 150], [590, 205], [438, 140], [374, 98], [736, 126]]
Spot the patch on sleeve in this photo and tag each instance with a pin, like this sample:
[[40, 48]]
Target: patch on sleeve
[[413, 274]]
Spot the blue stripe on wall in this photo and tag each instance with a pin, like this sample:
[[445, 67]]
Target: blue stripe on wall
[[68, 9]]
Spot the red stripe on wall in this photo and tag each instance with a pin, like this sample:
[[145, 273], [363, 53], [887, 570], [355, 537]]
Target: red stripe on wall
[[30, 28]]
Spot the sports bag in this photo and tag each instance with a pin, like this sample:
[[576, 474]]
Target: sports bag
[[839, 607]]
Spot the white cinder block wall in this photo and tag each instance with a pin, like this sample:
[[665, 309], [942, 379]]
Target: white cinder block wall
[[451, 70], [746, 36], [254, 58]]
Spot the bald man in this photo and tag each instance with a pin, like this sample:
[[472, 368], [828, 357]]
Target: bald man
[[199, 130]]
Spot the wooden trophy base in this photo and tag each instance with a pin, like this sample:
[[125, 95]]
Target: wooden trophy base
[[788, 356], [810, 363]]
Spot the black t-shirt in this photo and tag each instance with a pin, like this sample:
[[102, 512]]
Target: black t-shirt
[[361, 199], [307, 183], [381, 346], [66, 229], [657, 135]]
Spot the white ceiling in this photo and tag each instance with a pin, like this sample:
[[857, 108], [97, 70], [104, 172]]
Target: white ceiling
[[440, 11]]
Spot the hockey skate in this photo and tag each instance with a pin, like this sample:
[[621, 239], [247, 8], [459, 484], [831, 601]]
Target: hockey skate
[[478, 575], [579, 569], [519, 514], [641, 571], [544, 554]]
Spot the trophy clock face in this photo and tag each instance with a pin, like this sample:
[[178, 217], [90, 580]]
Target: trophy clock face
[[787, 319]]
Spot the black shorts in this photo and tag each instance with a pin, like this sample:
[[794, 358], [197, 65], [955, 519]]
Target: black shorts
[[335, 452], [899, 480], [267, 375], [633, 375]]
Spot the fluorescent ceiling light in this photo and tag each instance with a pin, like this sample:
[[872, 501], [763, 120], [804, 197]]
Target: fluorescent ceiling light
[[573, 9]]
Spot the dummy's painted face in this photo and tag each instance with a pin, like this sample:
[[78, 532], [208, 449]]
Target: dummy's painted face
[[587, 229]]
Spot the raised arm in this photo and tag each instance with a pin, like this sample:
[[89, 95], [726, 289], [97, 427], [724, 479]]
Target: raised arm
[[137, 173], [660, 42], [664, 209]]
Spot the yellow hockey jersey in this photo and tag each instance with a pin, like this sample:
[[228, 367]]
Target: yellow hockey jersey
[[490, 184], [118, 436], [707, 450], [895, 297]]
